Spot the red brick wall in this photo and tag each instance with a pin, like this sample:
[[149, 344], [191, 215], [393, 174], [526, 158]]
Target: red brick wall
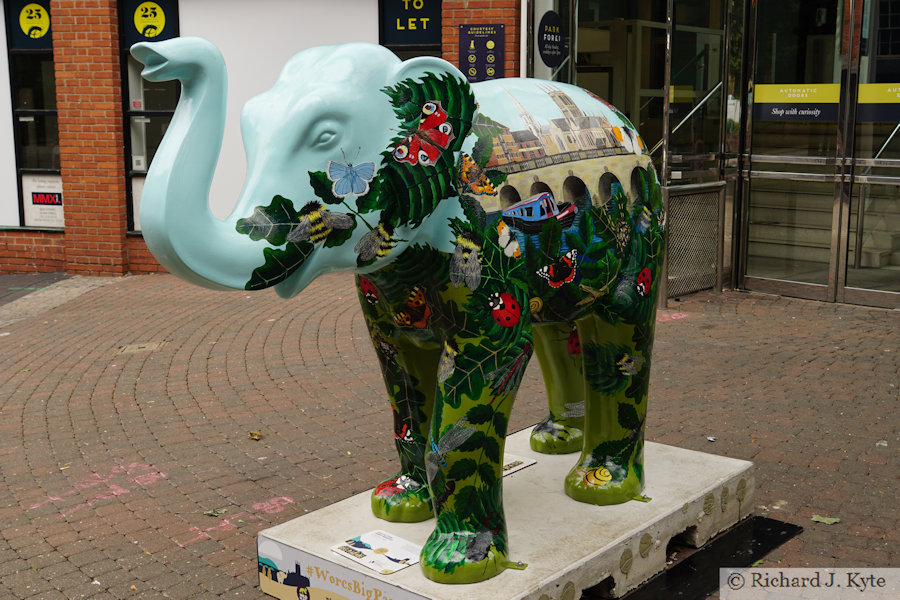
[[478, 12], [89, 101], [32, 252], [139, 258]]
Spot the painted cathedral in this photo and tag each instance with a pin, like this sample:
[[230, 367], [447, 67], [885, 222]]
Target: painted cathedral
[[560, 140]]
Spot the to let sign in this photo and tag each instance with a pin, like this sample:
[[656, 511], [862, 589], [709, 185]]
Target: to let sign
[[411, 22]]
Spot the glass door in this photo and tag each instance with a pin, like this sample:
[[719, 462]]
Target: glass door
[[794, 159], [822, 173], [621, 57], [871, 274], [551, 44]]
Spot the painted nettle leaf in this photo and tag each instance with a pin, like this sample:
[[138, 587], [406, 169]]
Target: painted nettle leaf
[[608, 367], [628, 417], [416, 189]]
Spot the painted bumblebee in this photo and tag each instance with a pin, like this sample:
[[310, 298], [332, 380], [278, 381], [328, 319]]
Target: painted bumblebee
[[629, 365], [447, 363], [377, 243], [465, 265], [317, 223], [644, 219]]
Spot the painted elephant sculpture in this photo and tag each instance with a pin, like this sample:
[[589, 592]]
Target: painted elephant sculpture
[[484, 222]]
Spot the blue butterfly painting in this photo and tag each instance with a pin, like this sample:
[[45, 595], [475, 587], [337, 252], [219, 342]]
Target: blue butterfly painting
[[350, 179]]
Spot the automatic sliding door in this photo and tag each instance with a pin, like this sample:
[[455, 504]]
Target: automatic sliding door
[[872, 249], [794, 161]]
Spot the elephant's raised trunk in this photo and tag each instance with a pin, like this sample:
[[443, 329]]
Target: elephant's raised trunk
[[178, 226]]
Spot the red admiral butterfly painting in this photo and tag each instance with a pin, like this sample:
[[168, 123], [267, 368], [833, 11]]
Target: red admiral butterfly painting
[[562, 271]]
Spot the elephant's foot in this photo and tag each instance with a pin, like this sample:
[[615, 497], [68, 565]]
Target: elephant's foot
[[556, 437], [463, 556], [604, 481], [402, 499]]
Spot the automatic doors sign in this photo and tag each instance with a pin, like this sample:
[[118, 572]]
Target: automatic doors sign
[[796, 102], [411, 22], [550, 39], [481, 51], [878, 103], [33, 20], [149, 21]]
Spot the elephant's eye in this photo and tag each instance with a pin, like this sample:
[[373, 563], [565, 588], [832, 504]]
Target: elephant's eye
[[325, 138]]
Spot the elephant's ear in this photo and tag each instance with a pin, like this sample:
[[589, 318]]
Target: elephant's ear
[[434, 106]]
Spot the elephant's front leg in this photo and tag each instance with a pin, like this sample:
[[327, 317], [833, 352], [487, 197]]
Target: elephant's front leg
[[616, 377], [465, 462], [410, 377]]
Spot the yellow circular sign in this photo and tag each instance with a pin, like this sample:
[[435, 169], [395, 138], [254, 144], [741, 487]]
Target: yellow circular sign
[[472, 58], [490, 44], [149, 19], [34, 20]]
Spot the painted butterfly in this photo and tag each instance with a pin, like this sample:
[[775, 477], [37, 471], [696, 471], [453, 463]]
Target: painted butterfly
[[562, 271], [473, 177], [433, 134], [507, 240], [416, 313], [350, 179]]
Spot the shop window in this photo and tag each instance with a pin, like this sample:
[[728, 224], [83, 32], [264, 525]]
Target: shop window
[[149, 105], [35, 129], [410, 28]]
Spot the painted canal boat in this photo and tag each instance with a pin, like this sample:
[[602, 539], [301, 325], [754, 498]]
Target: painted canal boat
[[529, 215]]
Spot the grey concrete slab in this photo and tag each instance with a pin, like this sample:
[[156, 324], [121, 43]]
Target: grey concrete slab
[[568, 546]]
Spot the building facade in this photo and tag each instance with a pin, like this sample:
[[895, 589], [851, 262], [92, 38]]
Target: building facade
[[774, 126]]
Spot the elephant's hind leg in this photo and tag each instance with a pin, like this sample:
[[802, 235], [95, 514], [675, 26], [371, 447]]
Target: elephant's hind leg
[[616, 375], [410, 377], [559, 353]]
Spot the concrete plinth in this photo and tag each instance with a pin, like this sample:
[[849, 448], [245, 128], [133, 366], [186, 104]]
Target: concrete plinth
[[568, 546]]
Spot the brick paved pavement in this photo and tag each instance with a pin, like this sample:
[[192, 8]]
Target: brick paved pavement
[[127, 471], [13, 287]]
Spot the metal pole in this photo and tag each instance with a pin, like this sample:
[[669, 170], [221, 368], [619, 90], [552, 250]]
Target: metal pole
[[670, 11]]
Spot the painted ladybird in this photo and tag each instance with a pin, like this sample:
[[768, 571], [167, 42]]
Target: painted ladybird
[[505, 310], [643, 281], [573, 344]]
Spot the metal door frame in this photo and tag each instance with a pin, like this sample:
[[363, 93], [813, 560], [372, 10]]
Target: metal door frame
[[836, 289]]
